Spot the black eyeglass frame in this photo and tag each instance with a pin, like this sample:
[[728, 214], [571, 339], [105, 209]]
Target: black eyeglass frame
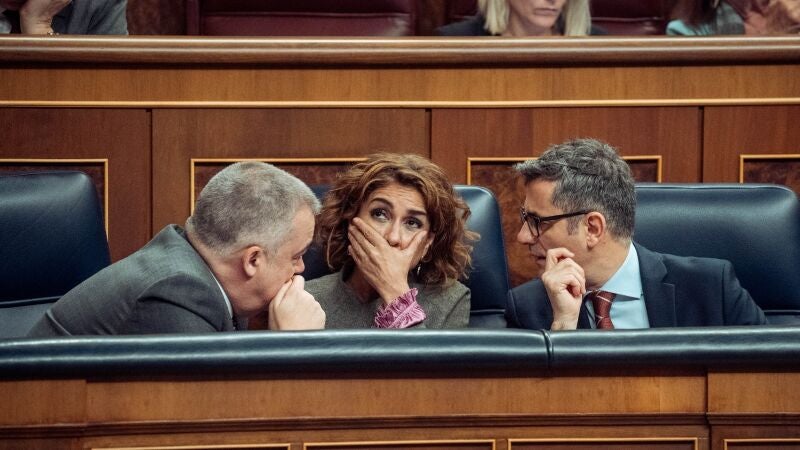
[[527, 217]]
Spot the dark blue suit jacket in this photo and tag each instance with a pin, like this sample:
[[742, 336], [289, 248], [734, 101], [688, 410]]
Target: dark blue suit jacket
[[679, 291]]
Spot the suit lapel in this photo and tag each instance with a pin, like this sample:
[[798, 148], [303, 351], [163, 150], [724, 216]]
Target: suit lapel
[[583, 318], [659, 296]]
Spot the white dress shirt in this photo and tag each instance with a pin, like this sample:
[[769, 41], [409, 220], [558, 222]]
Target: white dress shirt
[[628, 309]]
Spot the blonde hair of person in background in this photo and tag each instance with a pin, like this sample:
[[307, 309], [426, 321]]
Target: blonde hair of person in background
[[574, 20]]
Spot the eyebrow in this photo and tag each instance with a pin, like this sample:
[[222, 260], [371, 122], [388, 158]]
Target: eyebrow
[[302, 252], [530, 212], [413, 212]]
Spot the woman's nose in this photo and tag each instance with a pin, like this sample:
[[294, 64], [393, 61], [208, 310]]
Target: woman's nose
[[392, 235]]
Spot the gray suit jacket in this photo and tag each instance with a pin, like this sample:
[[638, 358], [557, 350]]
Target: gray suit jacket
[[92, 17], [678, 292], [165, 287]]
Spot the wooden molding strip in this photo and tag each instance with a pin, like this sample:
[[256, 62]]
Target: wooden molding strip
[[372, 444], [402, 104], [772, 418], [307, 423], [623, 440], [431, 51], [515, 159]]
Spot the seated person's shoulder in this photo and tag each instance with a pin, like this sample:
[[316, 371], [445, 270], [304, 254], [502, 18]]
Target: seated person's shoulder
[[473, 26], [694, 264]]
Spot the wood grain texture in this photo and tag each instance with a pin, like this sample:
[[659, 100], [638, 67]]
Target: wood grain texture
[[748, 393], [155, 84], [730, 131], [122, 136], [180, 135], [409, 397], [43, 402]]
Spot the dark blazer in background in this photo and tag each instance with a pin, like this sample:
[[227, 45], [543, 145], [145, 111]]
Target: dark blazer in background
[[678, 292], [165, 287]]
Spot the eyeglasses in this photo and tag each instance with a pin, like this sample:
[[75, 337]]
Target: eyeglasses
[[535, 222]]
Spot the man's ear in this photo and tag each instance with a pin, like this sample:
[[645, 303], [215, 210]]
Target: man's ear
[[252, 259], [595, 223]]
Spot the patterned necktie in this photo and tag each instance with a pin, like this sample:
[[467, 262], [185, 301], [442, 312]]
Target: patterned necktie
[[601, 302]]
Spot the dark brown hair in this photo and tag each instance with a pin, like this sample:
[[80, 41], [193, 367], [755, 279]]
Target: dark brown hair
[[449, 255]]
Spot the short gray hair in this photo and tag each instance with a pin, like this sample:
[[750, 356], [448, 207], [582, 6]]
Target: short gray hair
[[248, 203], [588, 175]]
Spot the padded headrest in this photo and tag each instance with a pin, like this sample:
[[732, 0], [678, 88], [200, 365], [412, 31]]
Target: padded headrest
[[755, 226], [51, 235]]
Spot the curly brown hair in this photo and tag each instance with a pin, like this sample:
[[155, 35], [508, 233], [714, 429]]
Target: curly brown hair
[[450, 253]]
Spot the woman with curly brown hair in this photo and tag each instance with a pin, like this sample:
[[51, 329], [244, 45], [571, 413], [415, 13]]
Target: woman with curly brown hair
[[393, 230]]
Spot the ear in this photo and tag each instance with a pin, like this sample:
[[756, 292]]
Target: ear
[[252, 259], [595, 223]]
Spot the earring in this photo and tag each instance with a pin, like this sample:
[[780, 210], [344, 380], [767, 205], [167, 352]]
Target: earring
[[419, 268]]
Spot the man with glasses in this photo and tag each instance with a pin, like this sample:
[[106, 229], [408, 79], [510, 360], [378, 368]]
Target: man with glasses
[[577, 221]]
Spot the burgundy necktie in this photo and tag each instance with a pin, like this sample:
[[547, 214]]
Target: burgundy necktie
[[601, 302]]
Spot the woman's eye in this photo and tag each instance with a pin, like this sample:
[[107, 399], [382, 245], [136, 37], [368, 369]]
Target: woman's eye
[[379, 213], [414, 223]]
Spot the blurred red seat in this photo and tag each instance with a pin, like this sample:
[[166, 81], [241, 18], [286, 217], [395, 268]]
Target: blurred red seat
[[631, 17], [300, 17]]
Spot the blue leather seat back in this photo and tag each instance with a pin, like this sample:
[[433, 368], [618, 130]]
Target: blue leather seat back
[[755, 226], [488, 278], [52, 238]]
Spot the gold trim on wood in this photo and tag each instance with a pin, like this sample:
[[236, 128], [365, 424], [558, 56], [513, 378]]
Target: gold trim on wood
[[745, 157], [403, 104], [276, 161], [695, 441], [367, 444], [725, 442], [488, 159], [44, 161], [200, 447]]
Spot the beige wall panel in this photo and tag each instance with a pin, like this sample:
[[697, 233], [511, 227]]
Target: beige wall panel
[[182, 134], [731, 131]]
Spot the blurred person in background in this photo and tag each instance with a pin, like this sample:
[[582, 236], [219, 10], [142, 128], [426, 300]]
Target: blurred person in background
[[520, 18], [52, 17]]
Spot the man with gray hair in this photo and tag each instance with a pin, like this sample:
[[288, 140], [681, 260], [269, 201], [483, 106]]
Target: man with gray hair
[[240, 254], [577, 221]]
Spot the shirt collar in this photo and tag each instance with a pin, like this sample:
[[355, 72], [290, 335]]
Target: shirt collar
[[224, 295], [626, 281]]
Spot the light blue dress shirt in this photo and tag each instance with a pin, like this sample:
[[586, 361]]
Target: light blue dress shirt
[[628, 310]]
